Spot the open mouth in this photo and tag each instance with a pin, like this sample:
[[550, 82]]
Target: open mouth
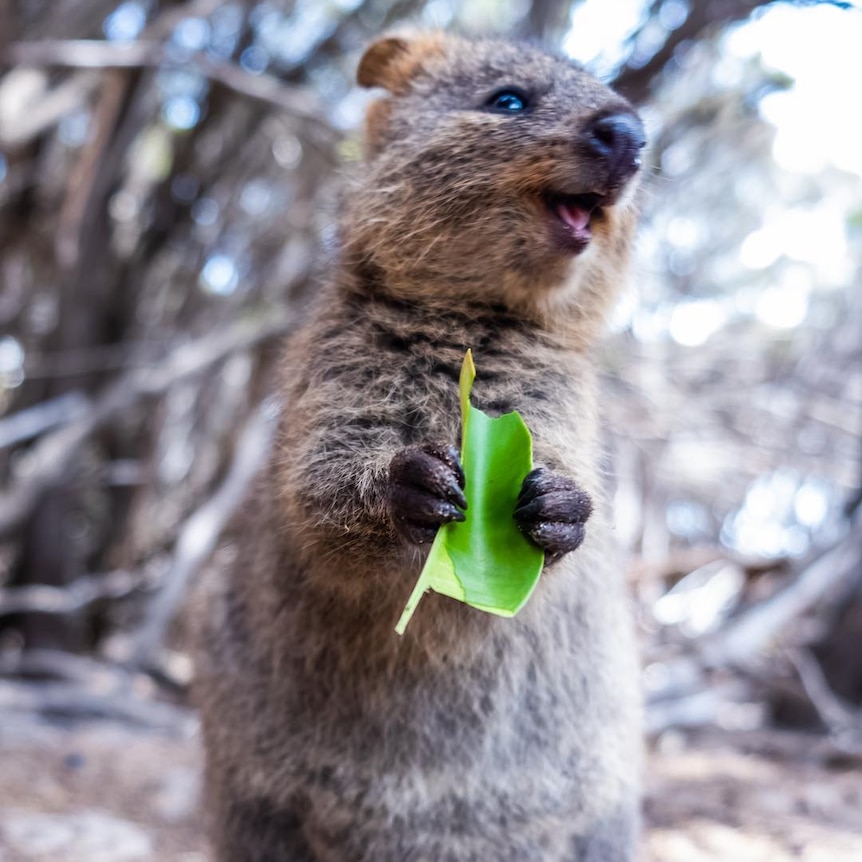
[[575, 215]]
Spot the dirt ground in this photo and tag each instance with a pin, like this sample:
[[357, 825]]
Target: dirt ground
[[720, 797], [104, 793]]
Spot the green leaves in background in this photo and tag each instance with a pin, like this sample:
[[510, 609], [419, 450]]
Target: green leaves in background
[[485, 560]]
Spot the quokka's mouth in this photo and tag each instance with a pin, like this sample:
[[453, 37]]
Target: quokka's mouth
[[575, 216]]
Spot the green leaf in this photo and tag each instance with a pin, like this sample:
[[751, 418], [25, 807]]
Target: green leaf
[[484, 560]]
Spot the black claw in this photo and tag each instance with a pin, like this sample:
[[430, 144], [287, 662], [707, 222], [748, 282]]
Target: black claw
[[443, 512], [537, 482], [551, 511], [448, 455], [426, 471], [416, 504], [425, 491]]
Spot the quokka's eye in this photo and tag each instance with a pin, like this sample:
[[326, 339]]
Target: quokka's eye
[[508, 101]]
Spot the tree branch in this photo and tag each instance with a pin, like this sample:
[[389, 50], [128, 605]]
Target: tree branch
[[844, 722], [36, 420], [201, 532], [754, 631], [98, 54], [43, 599], [64, 701], [51, 457], [635, 81]]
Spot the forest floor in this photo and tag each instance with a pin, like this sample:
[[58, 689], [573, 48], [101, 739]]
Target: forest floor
[[105, 793]]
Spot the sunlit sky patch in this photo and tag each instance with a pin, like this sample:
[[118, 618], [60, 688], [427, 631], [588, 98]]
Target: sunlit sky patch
[[779, 511], [205, 212], [220, 275], [126, 21], [192, 34], [814, 235], [11, 363], [818, 119], [181, 112], [73, 128], [783, 305], [692, 323], [598, 39]]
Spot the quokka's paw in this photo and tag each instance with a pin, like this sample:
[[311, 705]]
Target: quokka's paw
[[551, 511], [426, 490]]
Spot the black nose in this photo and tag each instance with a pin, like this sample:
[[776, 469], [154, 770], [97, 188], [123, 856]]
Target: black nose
[[618, 141]]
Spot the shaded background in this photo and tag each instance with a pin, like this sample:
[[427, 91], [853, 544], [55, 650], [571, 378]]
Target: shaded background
[[168, 188]]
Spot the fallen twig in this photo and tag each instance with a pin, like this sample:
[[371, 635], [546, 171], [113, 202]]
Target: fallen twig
[[687, 695], [749, 635], [73, 702], [51, 684], [844, 722], [697, 708], [63, 666]]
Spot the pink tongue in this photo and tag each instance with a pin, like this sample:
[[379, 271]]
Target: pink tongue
[[576, 218]]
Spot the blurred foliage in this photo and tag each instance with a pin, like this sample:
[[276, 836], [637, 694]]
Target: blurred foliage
[[168, 190]]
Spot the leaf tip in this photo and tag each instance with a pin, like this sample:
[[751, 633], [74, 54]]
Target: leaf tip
[[465, 385]]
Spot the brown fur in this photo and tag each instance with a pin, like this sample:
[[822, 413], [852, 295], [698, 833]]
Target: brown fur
[[330, 738]]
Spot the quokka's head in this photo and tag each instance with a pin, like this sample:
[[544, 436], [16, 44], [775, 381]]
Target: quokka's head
[[493, 171]]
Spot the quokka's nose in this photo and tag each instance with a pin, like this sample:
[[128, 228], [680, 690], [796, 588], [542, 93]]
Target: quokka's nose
[[618, 140]]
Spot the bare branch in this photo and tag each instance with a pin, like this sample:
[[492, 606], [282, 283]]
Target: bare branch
[[43, 599], [53, 684], [40, 418], [44, 112], [97, 54], [747, 637], [85, 360], [20, 126], [201, 532], [165, 22], [634, 81], [6, 24], [545, 20], [84, 181], [844, 722], [696, 708], [71, 701], [64, 666], [688, 695], [52, 456]]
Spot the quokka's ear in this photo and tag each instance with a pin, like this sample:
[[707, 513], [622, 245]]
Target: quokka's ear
[[392, 61]]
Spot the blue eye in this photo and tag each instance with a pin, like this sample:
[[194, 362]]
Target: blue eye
[[508, 102]]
